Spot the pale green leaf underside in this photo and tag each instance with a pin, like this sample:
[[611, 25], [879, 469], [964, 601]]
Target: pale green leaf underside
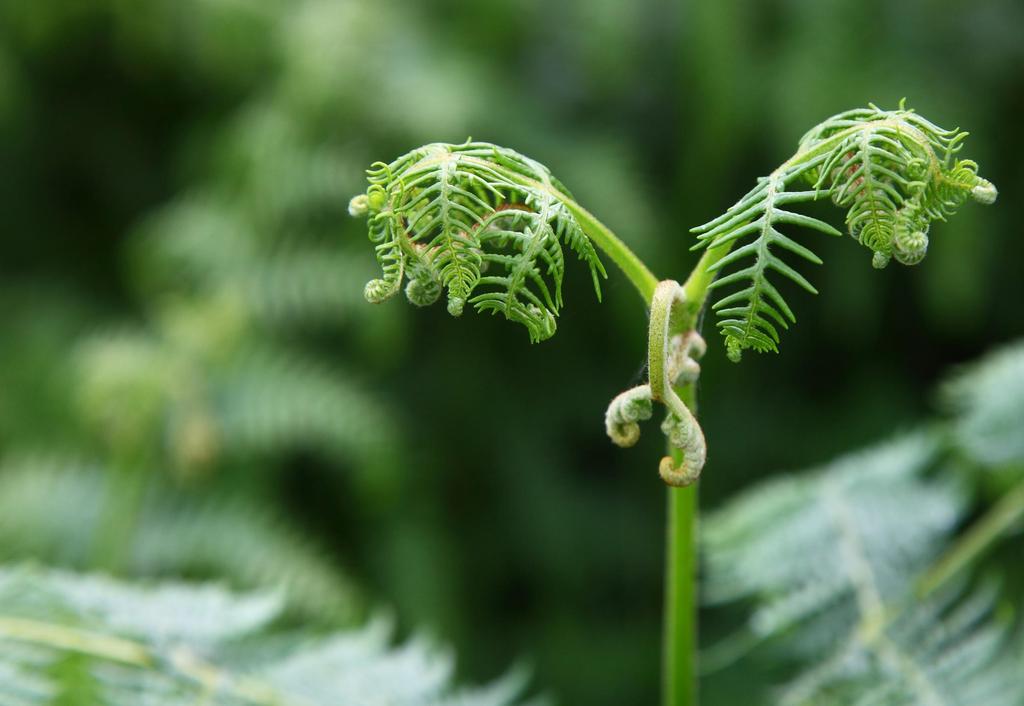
[[828, 561], [988, 397], [67, 638]]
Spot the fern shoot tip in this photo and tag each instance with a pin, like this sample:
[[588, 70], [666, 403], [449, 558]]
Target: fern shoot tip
[[474, 219], [985, 192], [359, 206], [733, 349], [892, 171]]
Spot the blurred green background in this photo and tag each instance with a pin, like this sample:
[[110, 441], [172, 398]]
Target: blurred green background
[[191, 384]]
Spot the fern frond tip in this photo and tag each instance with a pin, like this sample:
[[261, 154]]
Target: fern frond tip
[[487, 224], [893, 171]]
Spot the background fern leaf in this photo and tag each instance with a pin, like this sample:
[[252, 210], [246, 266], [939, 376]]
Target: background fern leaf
[[953, 650], [856, 588], [817, 550], [988, 397], [51, 510]]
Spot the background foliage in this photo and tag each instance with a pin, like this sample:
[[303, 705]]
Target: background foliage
[[190, 379]]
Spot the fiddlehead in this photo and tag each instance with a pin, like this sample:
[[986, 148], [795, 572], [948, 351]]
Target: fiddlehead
[[482, 222], [671, 361], [893, 171]]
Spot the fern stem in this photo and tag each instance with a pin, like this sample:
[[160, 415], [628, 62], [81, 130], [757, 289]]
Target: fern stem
[[985, 531], [610, 244], [695, 288], [679, 657]]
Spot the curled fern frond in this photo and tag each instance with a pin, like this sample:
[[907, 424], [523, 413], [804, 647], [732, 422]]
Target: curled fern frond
[[893, 171], [671, 361], [482, 222]]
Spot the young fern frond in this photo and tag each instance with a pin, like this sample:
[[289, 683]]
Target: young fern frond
[[480, 221], [893, 171], [671, 361]]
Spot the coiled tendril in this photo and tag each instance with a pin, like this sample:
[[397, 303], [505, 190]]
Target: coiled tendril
[[671, 361]]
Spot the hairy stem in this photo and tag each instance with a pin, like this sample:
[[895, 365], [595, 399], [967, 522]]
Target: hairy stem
[[992, 525], [679, 660]]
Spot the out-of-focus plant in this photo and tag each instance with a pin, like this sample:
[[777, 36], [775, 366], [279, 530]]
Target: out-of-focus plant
[[857, 580], [70, 638], [489, 227]]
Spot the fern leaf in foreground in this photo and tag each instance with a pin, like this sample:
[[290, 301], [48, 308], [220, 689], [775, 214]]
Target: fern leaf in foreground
[[950, 651], [892, 170], [817, 551], [72, 637], [480, 221], [829, 562]]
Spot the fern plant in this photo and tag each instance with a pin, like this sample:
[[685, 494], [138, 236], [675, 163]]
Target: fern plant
[[489, 227]]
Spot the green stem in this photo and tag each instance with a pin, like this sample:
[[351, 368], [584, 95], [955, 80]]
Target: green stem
[[696, 286], [679, 656], [602, 236], [987, 530], [679, 667]]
